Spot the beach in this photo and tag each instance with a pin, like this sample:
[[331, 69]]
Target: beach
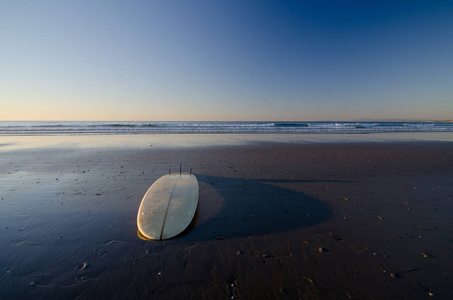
[[275, 220]]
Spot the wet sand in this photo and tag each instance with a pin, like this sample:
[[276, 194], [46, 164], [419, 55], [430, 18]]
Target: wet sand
[[275, 221]]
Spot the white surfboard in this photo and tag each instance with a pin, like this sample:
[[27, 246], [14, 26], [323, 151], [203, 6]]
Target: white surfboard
[[168, 206]]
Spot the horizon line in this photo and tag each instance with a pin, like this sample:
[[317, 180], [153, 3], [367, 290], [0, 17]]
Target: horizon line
[[353, 120]]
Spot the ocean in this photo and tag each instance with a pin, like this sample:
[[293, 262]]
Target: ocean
[[175, 127]]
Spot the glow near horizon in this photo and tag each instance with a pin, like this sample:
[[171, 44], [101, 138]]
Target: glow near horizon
[[228, 60]]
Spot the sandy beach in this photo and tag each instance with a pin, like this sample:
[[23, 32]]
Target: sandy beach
[[365, 220]]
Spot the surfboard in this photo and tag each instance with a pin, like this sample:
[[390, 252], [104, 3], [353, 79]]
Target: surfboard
[[168, 206]]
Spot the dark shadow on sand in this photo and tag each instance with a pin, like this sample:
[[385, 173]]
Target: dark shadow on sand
[[237, 207]]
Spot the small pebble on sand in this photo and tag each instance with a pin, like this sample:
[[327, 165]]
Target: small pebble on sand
[[395, 275], [323, 250]]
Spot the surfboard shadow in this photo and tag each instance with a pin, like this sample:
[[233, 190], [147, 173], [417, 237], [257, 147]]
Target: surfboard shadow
[[238, 207]]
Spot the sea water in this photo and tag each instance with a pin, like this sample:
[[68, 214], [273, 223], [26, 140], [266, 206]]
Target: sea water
[[175, 127]]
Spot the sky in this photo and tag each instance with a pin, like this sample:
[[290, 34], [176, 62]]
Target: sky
[[226, 60]]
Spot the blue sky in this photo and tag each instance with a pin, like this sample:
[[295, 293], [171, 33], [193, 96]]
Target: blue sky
[[226, 60]]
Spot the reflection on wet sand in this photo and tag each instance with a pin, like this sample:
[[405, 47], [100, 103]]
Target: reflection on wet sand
[[146, 141]]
